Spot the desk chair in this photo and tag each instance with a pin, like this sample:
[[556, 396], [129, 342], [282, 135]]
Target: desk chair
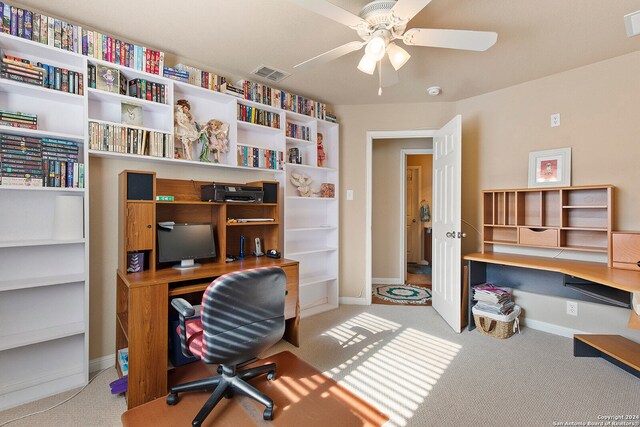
[[242, 315]]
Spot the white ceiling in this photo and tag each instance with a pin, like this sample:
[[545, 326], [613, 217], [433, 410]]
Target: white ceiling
[[233, 37]]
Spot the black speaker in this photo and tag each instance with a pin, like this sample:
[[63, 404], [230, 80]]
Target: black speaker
[[270, 192], [139, 186]]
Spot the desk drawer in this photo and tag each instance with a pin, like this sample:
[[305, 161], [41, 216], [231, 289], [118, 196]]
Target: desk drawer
[[538, 236], [626, 250], [291, 300]]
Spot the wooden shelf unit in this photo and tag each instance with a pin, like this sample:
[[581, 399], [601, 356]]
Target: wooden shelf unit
[[142, 298], [572, 218]]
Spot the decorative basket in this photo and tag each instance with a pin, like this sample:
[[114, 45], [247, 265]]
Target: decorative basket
[[495, 325]]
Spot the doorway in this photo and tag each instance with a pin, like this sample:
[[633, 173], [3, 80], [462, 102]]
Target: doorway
[[418, 205]]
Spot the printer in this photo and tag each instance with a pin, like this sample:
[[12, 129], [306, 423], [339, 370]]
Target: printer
[[231, 193]]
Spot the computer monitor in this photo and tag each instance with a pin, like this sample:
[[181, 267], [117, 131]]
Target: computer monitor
[[185, 243]]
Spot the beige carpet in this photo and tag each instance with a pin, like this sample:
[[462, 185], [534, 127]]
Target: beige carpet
[[409, 364]]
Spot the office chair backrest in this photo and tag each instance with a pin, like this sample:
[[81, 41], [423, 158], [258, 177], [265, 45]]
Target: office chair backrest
[[243, 314]]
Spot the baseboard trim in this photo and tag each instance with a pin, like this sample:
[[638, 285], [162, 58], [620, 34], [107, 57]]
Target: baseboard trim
[[101, 363], [551, 328], [386, 281], [353, 301]]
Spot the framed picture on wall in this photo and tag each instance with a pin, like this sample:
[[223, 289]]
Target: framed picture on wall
[[550, 168]]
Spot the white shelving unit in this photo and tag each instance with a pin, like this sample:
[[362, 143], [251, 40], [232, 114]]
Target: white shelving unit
[[44, 288], [311, 223]]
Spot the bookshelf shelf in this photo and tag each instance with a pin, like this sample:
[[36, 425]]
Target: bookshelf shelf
[[26, 243], [313, 280], [186, 90], [321, 227], [40, 92], [36, 282], [259, 105], [116, 98], [299, 142], [22, 339], [311, 251], [309, 167], [131, 73], [29, 49], [45, 189], [258, 128], [128, 126], [40, 133]]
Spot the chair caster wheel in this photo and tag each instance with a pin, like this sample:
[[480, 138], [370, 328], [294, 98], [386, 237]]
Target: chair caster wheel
[[268, 414], [219, 370], [271, 375], [172, 399], [229, 393]]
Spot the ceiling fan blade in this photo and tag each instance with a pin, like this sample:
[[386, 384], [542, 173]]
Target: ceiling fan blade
[[323, 58], [451, 39], [390, 76], [407, 9], [331, 11]]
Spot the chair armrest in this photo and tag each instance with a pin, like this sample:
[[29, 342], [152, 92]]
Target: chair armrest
[[185, 310], [183, 307]]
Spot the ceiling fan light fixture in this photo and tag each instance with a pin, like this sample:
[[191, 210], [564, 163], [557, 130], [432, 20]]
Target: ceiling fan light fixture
[[376, 47], [367, 64], [397, 56]]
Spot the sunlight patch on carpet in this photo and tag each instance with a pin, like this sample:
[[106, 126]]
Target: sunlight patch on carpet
[[396, 368]]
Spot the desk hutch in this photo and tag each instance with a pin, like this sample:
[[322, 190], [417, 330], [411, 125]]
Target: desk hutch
[[143, 298]]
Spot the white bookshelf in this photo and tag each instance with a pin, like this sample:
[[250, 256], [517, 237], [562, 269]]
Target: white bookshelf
[[44, 287], [311, 223], [50, 353]]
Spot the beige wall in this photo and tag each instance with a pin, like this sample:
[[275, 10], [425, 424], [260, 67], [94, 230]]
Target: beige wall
[[599, 107], [103, 190], [387, 201]]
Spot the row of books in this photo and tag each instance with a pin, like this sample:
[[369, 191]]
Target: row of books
[[492, 299], [298, 131], [123, 139], [260, 157], [258, 116], [196, 77], [39, 74], [35, 161], [63, 35], [18, 119], [264, 94]]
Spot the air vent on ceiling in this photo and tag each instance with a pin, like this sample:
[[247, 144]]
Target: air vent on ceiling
[[270, 73]]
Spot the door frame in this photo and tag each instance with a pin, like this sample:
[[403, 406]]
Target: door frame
[[404, 152], [371, 136]]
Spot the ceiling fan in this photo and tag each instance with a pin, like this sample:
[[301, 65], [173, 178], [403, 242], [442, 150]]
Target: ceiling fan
[[379, 24]]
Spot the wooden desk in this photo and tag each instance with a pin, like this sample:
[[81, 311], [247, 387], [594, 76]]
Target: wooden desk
[[559, 274], [142, 323]]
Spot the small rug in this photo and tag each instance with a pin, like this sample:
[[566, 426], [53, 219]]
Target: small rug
[[418, 269], [403, 294]]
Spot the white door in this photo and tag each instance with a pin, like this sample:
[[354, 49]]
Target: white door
[[412, 210], [447, 171]]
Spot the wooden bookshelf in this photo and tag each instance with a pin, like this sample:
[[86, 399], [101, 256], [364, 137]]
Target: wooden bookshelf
[[572, 218]]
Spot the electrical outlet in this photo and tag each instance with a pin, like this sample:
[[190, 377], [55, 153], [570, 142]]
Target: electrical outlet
[[572, 308], [555, 120], [349, 194]]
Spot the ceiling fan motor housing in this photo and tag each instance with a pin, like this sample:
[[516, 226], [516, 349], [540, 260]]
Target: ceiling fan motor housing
[[378, 15]]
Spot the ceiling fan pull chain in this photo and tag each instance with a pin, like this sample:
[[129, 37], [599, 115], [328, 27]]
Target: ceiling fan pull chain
[[379, 78]]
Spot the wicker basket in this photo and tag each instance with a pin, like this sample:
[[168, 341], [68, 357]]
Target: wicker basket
[[495, 325]]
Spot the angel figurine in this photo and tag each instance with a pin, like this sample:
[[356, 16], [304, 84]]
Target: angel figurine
[[218, 132], [186, 129]]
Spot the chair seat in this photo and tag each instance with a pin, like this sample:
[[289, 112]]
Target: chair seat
[[194, 336]]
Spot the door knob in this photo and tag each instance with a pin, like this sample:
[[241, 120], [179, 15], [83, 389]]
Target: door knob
[[461, 235], [413, 220]]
